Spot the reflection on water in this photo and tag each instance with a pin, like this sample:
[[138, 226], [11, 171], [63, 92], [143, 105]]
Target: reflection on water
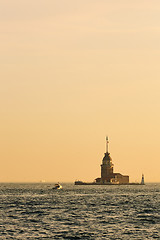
[[36, 211]]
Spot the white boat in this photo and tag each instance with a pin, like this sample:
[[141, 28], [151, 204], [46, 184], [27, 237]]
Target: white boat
[[57, 186]]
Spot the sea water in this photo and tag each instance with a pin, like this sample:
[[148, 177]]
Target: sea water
[[37, 211]]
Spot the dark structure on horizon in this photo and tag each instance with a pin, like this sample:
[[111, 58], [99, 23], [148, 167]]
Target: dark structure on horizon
[[108, 177], [107, 173]]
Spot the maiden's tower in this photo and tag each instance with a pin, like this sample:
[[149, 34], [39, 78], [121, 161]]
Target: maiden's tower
[[107, 172]]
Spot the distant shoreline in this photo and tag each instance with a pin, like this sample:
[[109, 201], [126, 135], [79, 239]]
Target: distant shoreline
[[73, 183]]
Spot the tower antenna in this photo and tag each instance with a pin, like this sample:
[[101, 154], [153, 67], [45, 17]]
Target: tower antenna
[[107, 142]]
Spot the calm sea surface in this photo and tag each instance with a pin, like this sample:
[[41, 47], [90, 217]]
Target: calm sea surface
[[36, 211]]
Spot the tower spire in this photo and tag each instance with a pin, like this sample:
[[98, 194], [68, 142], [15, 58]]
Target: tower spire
[[107, 142]]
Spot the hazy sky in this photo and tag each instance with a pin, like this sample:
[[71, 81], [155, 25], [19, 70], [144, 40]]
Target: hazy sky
[[72, 71]]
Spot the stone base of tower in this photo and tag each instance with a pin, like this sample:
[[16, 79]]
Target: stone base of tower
[[115, 178]]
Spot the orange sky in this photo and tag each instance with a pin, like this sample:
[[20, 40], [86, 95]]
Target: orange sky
[[72, 72]]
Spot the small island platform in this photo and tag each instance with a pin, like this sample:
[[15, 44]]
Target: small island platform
[[110, 184]]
